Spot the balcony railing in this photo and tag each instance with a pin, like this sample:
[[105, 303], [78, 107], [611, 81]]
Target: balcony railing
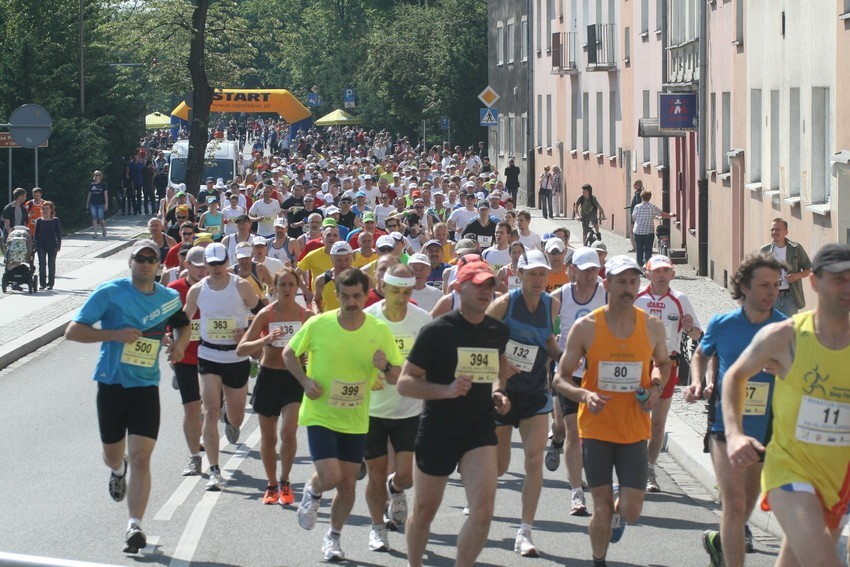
[[601, 47], [564, 49]]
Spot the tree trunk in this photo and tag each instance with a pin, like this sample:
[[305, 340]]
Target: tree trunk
[[202, 99]]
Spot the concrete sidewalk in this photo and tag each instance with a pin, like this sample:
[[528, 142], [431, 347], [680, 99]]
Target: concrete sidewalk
[[29, 321]]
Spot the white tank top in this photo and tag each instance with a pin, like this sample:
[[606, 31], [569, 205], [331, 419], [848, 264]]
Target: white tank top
[[223, 312], [572, 311]]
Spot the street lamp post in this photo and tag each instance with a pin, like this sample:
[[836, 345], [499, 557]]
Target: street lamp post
[[82, 65]]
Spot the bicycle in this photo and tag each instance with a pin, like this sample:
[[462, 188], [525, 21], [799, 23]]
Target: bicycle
[[590, 230], [662, 232]]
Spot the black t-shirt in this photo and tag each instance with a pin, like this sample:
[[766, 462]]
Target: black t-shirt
[[347, 219], [435, 350], [97, 193], [300, 215], [201, 199], [484, 235]]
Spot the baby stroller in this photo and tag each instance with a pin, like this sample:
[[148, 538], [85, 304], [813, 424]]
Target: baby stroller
[[19, 261]]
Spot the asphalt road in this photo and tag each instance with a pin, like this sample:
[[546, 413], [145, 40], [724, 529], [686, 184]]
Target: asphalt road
[[55, 501]]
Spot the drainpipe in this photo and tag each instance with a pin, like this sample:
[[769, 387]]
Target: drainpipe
[[702, 182], [665, 141]]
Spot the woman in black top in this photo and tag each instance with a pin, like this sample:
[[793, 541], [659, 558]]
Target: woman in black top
[[48, 241]]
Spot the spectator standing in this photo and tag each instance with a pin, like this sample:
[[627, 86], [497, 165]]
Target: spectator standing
[[512, 178], [48, 241], [97, 202], [643, 216], [558, 191], [791, 298], [545, 193], [15, 213], [33, 207], [137, 181]]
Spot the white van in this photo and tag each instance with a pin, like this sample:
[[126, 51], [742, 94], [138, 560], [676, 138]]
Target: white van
[[223, 160]]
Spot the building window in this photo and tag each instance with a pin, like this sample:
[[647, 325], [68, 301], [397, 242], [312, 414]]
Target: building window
[[644, 16], [794, 180], [774, 139], [511, 135], [550, 15], [739, 22], [548, 121], [627, 43], [510, 46], [500, 45], [659, 15], [539, 120], [585, 122], [574, 111], [523, 33], [820, 145], [645, 158], [585, 16], [726, 128], [524, 134], [755, 153], [503, 144], [612, 123], [539, 27], [600, 124], [712, 131]]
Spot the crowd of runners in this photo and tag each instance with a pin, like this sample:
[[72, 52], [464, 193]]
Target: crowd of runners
[[402, 310]]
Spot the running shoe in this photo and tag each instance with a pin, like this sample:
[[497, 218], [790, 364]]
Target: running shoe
[[272, 494], [287, 497], [378, 539], [174, 383], [135, 539], [230, 431], [553, 456], [331, 549], [748, 539], [600, 562], [118, 484], [652, 482], [397, 507], [618, 526], [524, 546], [711, 544], [579, 505], [308, 512], [361, 474], [214, 483], [193, 467]]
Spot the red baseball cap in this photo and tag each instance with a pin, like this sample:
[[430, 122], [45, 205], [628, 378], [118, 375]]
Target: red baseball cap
[[477, 272]]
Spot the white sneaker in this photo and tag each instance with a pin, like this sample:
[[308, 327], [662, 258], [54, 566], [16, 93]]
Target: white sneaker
[[397, 507], [579, 506], [524, 546], [308, 511], [378, 539], [214, 483], [331, 549], [652, 482]]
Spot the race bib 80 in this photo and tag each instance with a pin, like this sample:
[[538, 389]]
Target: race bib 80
[[620, 376]]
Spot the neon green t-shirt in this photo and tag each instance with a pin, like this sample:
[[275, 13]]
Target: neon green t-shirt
[[341, 362]]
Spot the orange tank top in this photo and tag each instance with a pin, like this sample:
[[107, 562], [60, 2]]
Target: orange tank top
[[617, 367]]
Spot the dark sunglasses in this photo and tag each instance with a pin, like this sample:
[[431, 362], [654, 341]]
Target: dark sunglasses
[[187, 234], [146, 259], [216, 263]]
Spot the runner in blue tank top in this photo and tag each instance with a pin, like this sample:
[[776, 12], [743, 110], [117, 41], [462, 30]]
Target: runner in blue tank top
[[528, 312]]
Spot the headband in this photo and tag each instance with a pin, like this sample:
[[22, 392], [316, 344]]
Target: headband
[[399, 281]]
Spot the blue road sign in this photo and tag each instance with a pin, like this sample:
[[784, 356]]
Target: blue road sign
[[678, 111], [444, 123], [313, 99], [348, 98], [489, 116]]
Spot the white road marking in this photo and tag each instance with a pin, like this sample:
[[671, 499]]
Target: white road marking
[[191, 536]]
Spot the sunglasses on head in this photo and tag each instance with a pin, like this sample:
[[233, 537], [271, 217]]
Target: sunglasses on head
[[143, 259], [216, 263]]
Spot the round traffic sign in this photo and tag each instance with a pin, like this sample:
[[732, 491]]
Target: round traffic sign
[[30, 125]]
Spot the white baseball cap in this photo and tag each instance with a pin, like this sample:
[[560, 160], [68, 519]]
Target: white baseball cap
[[619, 264], [533, 259], [341, 248], [215, 252], [586, 257], [419, 259], [658, 261], [555, 244]]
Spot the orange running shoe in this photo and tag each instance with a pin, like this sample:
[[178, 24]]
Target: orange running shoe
[[271, 495], [286, 495]]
